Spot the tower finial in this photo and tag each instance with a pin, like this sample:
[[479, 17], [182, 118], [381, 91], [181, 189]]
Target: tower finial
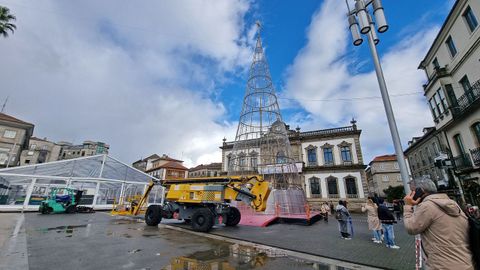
[[259, 28]]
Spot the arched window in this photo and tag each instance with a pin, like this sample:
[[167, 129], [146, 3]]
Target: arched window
[[312, 156], [351, 187], [328, 156], [332, 187], [315, 187]]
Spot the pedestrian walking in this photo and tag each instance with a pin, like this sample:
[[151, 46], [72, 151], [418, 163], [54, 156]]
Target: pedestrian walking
[[332, 208], [373, 222], [325, 211], [344, 220], [387, 220], [442, 225]]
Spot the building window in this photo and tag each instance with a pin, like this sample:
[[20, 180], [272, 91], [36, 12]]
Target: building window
[[399, 178], [328, 156], [3, 158], [281, 158], [314, 187], [385, 178], [435, 148], [433, 108], [9, 134], [27, 161], [451, 46], [476, 131], [33, 146], [435, 63], [312, 156], [332, 187], [459, 143], [382, 166], [443, 100], [346, 154], [470, 19], [465, 83], [351, 186], [395, 165], [254, 162], [241, 162]]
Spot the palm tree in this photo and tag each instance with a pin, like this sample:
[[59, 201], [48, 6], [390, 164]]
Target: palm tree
[[5, 18]]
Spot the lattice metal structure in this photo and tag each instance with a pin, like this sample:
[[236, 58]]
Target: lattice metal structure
[[261, 143]]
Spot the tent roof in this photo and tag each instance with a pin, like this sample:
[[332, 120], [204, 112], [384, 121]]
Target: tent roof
[[98, 167]]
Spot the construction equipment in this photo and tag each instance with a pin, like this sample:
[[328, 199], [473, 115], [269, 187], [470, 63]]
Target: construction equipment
[[67, 203], [202, 202], [133, 205]]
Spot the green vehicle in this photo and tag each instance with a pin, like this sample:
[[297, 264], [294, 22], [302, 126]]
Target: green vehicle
[[61, 203]]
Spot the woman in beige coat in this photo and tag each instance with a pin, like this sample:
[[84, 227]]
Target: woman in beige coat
[[373, 222]]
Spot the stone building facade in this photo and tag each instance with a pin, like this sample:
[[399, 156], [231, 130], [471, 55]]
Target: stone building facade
[[453, 91], [40, 151], [87, 148], [207, 170], [330, 162], [14, 137], [166, 168], [382, 172]]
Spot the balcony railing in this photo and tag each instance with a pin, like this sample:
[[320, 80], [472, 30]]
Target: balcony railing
[[352, 196], [315, 196], [334, 196], [475, 156], [462, 162], [466, 100]]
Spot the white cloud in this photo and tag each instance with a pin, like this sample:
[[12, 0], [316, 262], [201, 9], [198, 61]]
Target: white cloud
[[135, 75], [324, 69]]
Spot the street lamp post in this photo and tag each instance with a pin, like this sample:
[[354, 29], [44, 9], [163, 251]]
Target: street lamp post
[[361, 22]]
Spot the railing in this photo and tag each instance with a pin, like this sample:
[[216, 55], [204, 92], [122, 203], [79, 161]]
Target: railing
[[438, 73], [352, 196], [466, 100], [475, 156], [334, 196], [313, 196], [328, 131], [462, 162], [312, 164]]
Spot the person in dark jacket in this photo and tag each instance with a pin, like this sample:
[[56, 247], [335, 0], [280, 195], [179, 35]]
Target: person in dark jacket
[[387, 220]]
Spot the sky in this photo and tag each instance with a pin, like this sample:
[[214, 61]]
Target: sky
[[168, 77]]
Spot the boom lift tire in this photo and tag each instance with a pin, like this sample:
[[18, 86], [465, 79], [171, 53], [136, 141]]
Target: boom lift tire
[[233, 217], [153, 215], [202, 220]]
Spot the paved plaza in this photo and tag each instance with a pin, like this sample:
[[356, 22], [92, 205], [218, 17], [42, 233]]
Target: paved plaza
[[96, 241]]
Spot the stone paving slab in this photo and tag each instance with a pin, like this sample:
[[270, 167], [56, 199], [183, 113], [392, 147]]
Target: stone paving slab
[[323, 239]]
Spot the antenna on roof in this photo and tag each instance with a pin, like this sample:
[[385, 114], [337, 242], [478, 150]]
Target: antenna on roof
[[4, 104]]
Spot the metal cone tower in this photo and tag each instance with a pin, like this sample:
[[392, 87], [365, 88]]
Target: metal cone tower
[[261, 144]]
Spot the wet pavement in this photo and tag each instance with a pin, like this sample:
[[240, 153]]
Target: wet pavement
[[99, 241], [323, 239]]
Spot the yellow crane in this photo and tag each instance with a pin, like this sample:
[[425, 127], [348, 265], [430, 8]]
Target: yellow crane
[[202, 201]]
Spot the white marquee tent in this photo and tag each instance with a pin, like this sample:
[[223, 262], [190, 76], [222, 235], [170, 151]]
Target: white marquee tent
[[104, 180]]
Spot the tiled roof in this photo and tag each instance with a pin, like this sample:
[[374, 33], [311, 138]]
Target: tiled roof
[[217, 165], [170, 165], [385, 158], [155, 156], [8, 118]]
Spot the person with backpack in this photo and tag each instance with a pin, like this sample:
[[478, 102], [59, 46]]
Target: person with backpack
[[344, 220], [443, 226], [387, 219]]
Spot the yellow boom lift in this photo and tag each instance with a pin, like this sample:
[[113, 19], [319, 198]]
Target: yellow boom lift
[[202, 201]]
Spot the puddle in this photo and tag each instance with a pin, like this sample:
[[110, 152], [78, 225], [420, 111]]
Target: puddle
[[68, 230], [237, 257]]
